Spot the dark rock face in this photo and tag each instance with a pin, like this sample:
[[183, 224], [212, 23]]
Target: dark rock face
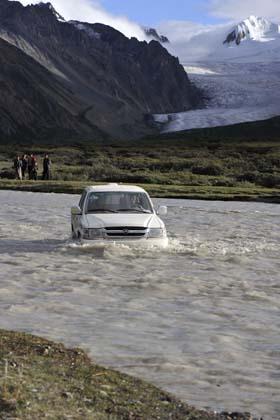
[[82, 80], [153, 34], [33, 102], [235, 36]]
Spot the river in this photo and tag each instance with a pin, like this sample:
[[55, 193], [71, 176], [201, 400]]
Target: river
[[200, 319]]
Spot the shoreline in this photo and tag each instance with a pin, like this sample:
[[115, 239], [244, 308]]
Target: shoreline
[[188, 192], [42, 378]]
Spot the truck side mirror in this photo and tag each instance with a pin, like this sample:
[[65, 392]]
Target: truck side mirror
[[76, 211]]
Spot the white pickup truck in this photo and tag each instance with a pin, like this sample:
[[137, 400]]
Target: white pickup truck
[[118, 213]]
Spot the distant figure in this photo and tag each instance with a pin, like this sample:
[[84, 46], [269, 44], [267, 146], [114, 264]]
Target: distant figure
[[24, 167], [29, 165], [46, 167], [18, 167], [32, 167]]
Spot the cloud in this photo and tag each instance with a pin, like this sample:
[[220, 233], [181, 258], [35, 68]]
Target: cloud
[[92, 11], [240, 9], [193, 42], [177, 31]]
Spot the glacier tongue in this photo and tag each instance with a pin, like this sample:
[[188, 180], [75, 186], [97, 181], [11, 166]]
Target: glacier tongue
[[236, 94], [241, 78]]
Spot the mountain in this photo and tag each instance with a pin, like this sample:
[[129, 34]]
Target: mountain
[[34, 104], [80, 80], [255, 39], [153, 34], [253, 28]]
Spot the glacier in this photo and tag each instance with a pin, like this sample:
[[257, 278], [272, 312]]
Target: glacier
[[241, 82]]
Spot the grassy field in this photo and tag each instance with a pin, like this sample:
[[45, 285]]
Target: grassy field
[[252, 193], [238, 162], [41, 379]]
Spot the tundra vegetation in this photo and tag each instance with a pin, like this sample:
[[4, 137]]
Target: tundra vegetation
[[240, 162], [41, 379]]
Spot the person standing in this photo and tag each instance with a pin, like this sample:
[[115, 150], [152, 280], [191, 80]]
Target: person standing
[[29, 166], [32, 167], [46, 167], [24, 167], [18, 168]]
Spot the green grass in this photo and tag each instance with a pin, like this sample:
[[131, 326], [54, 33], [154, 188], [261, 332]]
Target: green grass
[[41, 379], [245, 193], [238, 162]]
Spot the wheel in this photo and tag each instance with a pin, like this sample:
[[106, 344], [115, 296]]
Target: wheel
[[79, 237], [74, 236]]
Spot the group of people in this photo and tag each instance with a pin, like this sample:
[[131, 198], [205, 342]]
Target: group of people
[[28, 164]]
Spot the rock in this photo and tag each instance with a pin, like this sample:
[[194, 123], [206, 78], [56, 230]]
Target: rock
[[67, 395], [153, 34], [7, 173]]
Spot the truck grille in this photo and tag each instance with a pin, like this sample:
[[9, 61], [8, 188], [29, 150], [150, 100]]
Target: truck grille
[[125, 232]]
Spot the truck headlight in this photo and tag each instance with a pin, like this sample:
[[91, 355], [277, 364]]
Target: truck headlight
[[92, 233], [156, 233]]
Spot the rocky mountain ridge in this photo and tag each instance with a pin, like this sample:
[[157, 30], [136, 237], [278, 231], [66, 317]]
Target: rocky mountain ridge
[[153, 34], [94, 80]]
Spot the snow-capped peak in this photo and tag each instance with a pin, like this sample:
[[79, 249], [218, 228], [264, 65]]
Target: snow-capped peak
[[253, 28]]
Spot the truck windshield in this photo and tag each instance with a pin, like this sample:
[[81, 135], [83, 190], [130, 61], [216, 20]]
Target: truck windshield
[[118, 202]]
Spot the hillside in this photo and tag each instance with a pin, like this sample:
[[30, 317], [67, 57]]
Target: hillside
[[96, 82], [32, 101]]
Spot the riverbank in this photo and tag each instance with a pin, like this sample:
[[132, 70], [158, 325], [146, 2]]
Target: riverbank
[[256, 194], [40, 378], [192, 165]]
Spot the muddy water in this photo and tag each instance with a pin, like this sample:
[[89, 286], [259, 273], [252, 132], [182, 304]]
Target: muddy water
[[200, 319]]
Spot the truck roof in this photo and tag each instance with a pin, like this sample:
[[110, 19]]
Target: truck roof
[[114, 188]]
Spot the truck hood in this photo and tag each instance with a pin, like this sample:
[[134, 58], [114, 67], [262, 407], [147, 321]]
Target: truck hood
[[122, 219]]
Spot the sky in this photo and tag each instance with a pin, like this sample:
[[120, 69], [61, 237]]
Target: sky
[[128, 15], [153, 12]]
